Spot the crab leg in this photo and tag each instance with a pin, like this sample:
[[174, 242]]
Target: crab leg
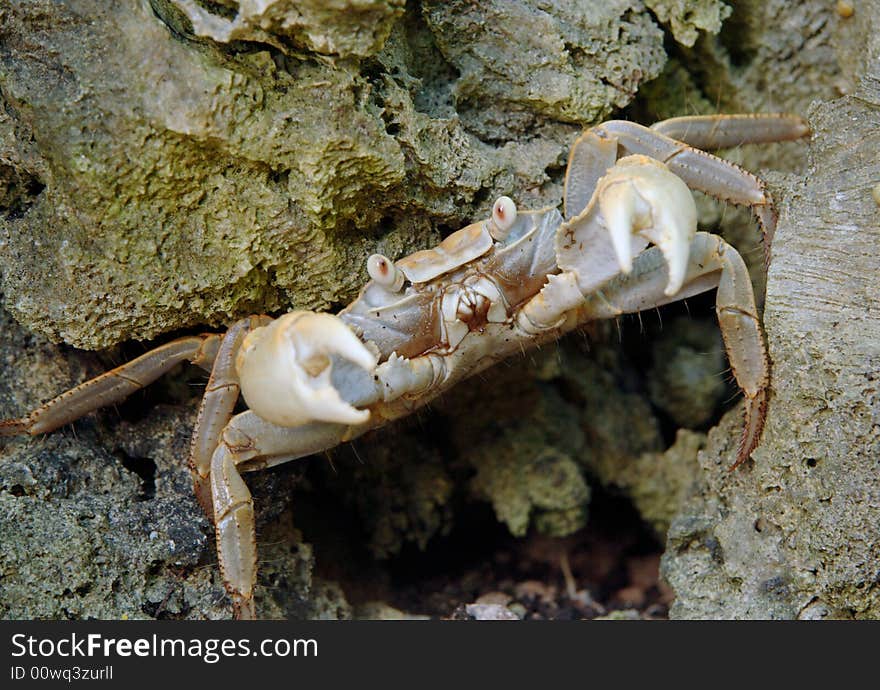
[[219, 400], [710, 132], [700, 170], [236, 531], [712, 263], [596, 150], [591, 157], [114, 386], [250, 443]]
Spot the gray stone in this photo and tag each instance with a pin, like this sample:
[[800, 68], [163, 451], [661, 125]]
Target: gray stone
[[326, 27], [685, 380], [152, 182], [796, 533], [245, 176]]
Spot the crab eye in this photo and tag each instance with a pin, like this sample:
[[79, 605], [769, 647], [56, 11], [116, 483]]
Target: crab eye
[[385, 273], [503, 217]]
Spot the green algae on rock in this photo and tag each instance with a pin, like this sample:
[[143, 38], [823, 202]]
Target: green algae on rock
[[523, 60], [246, 177], [241, 179], [686, 379], [687, 19]]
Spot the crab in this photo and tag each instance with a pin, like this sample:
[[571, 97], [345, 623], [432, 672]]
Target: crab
[[626, 241]]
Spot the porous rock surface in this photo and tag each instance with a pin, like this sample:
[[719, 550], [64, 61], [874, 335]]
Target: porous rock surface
[[797, 534], [256, 172], [157, 179]]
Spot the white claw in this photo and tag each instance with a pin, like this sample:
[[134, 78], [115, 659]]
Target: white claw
[[670, 233], [624, 212], [284, 369], [639, 195]]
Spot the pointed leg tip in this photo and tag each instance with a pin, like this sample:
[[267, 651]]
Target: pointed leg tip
[[803, 129], [14, 427], [243, 608], [756, 413]]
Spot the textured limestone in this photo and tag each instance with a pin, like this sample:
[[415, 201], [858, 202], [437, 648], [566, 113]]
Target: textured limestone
[[82, 533], [659, 483], [529, 480], [398, 485], [685, 380], [547, 422], [569, 61], [795, 534], [617, 415], [687, 19], [241, 177], [522, 441], [327, 27], [152, 181]]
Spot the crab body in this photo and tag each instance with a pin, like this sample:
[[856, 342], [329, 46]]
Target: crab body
[[626, 241]]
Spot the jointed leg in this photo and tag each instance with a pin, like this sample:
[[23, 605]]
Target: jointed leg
[[712, 263], [236, 532], [590, 158], [596, 150], [249, 443], [703, 171], [114, 386], [219, 400], [711, 132]]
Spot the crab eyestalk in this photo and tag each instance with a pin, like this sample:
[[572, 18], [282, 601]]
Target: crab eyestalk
[[284, 369], [503, 218], [385, 273], [639, 195]]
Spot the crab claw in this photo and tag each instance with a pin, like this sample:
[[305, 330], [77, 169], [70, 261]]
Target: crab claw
[[670, 233], [284, 369], [639, 195], [624, 211]]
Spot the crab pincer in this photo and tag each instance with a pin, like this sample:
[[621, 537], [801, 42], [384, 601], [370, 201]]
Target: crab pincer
[[285, 369]]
